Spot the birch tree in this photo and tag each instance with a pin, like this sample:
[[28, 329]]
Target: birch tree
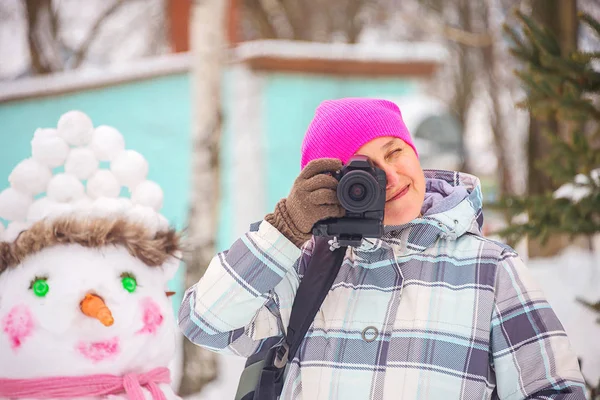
[[208, 52]]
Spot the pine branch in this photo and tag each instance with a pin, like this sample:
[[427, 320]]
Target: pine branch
[[585, 57], [518, 44], [588, 19], [559, 87], [540, 37]]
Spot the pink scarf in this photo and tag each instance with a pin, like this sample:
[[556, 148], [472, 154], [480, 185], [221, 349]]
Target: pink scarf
[[87, 386]]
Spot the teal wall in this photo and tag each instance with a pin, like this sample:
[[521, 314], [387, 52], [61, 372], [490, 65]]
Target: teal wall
[[154, 117], [290, 101]]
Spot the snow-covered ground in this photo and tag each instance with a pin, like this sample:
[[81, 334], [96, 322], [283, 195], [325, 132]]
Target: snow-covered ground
[[573, 273], [225, 386]]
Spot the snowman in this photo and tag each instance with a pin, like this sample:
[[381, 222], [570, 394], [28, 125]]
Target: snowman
[[84, 305]]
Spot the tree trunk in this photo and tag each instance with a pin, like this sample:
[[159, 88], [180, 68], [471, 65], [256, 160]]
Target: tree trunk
[[560, 17], [465, 72], [42, 30], [497, 118], [209, 49]]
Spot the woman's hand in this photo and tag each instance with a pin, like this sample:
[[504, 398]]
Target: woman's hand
[[313, 197]]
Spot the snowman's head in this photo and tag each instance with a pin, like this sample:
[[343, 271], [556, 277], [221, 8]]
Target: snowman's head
[[82, 296]]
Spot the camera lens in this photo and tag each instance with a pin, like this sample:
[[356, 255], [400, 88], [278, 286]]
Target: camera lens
[[357, 192]]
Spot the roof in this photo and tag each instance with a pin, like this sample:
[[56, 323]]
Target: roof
[[393, 59]]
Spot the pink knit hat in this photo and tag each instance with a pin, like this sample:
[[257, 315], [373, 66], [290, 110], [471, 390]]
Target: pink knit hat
[[341, 127]]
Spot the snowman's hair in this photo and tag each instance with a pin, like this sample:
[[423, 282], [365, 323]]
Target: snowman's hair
[[93, 233]]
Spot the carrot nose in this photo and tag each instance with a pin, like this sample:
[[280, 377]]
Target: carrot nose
[[93, 306]]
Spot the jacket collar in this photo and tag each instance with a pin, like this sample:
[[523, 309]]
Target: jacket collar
[[421, 233]]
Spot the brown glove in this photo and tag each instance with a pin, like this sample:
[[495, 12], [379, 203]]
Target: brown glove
[[313, 197]]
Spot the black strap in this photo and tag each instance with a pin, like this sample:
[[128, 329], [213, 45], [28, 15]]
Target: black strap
[[318, 278]]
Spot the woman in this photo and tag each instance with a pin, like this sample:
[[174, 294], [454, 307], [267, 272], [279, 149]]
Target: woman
[[432, 310]]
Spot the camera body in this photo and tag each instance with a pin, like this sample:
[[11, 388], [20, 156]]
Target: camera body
[[361, 192]]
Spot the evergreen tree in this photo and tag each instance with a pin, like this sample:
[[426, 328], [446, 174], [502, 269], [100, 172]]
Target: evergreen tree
[[564, 87]]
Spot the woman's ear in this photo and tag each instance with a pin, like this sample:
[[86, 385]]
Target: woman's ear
[[171, 266]]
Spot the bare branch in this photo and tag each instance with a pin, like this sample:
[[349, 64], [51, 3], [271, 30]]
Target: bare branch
[[82, 51], [433, 22], [353, 26], [297, 19], [41, 36], [259, 16], [467, 38]]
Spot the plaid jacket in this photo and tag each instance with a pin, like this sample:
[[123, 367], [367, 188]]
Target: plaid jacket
[[430, 311]]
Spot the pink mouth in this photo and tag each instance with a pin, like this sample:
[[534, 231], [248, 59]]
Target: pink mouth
[[99, 351], [400, 194]]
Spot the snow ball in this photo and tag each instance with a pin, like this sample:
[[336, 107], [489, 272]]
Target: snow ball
[[49, 149], [126, 203], [2, 229], [65, 188], [146, 216], [14, 204], [103, 184], [148, 193], [30, 177], [47, 207], [44, 133], [130, 168], [14, 229], [83, 203], [82, 163], [107, 143], [75, 128], [163, 223], [40, 208], [107, 206]]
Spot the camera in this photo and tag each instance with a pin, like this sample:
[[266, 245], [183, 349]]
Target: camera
[[361, 191]]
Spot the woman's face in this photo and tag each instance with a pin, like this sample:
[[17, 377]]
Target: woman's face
[[405, 190]]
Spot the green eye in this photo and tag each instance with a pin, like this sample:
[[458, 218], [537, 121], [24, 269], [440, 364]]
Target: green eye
[[39, 286], [128, 281]]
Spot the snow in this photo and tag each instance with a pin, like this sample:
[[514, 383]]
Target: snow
[[107, 143], [48, 148], [149, 194], [130, 168], [574, 273], [65, 188], [41, 208], [383, 52], [14, 204], [30, 177], [82, 163], [92, 77], [580, 188], [147, 216], [76, 128], [14, 229], [103, 184], [84, 188], [225, 386]]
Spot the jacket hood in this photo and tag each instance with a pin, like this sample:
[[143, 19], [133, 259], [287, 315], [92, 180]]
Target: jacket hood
[[452, 208]]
